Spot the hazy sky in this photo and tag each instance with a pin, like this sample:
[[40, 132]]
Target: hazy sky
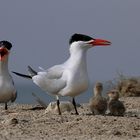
[[40, 30]]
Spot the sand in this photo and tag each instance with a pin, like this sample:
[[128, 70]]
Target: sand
[[21, 123]]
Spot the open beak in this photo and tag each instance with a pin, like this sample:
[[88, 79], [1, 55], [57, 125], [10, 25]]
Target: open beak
[[99, 42], [3, 53]]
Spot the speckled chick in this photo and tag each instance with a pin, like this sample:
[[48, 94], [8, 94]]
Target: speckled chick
[[115, 106], [98, 104]]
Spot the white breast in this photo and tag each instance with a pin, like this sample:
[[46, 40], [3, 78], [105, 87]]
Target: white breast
[[76, 83], [6, 89]]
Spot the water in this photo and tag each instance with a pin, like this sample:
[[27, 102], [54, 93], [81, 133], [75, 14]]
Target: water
[[25, 94]]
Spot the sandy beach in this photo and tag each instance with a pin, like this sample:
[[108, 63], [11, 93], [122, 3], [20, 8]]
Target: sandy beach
[[20, 122]]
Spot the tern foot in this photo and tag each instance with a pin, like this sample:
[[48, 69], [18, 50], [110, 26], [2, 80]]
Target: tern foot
[[59, 111], [6, 107], [74, 113], [74, 104]]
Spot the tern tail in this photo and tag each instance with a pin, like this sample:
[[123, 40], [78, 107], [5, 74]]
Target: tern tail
[[31, 73], [22, 75]]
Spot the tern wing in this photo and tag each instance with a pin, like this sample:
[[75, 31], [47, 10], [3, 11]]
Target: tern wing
[[50, 80], [55, 72]]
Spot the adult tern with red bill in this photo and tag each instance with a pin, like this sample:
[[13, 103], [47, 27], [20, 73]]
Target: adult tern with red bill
[[7, 89], [71, 77]]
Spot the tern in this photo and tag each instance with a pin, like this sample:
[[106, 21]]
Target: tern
[[7, 89], [71, 77]]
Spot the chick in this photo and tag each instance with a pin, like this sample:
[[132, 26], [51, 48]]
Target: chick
[[115, 106], [98, 104]]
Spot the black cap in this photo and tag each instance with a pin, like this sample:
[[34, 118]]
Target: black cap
[[6, 44], [79, 37]]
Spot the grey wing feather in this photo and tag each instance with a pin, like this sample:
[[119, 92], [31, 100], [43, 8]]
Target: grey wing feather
[[55, 72], [51, 79]]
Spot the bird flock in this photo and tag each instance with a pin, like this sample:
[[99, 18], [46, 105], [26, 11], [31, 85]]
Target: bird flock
[[69, 78]]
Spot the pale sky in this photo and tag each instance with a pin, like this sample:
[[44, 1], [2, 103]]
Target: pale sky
[[40, 30]]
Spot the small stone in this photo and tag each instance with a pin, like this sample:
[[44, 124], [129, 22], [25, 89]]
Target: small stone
[[117, 132], [13, 121]]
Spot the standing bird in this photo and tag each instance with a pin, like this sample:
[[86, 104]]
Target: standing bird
[[115, 106], [69, 78], [7, 89], [98, 104]]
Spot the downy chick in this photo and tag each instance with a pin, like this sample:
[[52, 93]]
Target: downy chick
[[115, 106], [98, 104]]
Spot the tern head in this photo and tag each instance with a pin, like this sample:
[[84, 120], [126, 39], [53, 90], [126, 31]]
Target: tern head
[[84, 42], [5, 47]]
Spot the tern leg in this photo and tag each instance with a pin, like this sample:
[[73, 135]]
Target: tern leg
[[6, 106], [74, 104], [58, 103]]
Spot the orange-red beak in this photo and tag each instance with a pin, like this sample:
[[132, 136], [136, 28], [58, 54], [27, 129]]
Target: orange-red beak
[[99, 42], [3, 53]]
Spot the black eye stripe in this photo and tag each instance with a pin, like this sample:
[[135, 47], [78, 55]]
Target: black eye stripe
[[6, 44], [79, 37]]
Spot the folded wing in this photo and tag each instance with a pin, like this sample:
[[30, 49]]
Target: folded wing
[[50, 80]]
